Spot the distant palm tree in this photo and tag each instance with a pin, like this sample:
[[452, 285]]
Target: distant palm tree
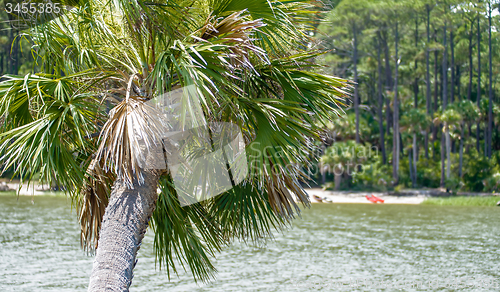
[[249, 62]]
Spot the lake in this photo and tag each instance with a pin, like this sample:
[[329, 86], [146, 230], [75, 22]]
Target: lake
[[333, 247]]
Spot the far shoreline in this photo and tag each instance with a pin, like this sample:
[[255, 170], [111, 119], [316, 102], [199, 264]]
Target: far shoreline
[[411, 196], [316, 195]]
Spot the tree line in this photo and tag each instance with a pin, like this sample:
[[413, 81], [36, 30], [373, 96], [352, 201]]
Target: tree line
[[425, 87]]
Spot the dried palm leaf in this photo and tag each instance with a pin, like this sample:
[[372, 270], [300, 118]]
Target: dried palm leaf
[[92, 203], [284, 190], [235, 31], [132, 132]]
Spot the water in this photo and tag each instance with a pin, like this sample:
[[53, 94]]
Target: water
[[332, 244]]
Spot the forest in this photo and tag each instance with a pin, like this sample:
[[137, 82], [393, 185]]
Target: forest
[[425, 106]]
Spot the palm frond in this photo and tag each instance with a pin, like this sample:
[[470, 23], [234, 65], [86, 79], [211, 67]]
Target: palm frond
[[245, 212], [286, 21], [54, 143], [188, 235]]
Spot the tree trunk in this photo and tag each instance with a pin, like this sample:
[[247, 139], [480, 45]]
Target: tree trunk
[[123, 227], [415, 154], [338, 171], [395, 130], [427, 81], [388, 71], [448, 154], [356, 97], [434, 128], [445, 99], [469, 88], [490, 92], [478, 81], [381, 105], [323, 174], [442, 183], [388, 77], [415, 104], [461, 151], [415, 84], [453, 81], [411, 168]]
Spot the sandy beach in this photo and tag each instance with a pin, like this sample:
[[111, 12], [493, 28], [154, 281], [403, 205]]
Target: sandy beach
[[34, 189], [360, 197]]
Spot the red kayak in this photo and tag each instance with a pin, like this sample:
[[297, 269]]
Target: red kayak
[[374, 199]]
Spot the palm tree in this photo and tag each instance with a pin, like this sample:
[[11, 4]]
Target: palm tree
[[345, 158], [248, 62], [414, 123], [451, 119], [469, 113]]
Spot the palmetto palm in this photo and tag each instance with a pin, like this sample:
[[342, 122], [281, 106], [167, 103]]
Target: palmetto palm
[[248, 62]]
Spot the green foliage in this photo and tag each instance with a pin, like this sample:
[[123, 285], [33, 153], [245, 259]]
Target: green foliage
[[189, 234], [374, 176], [478, 169], [415, 121], [357, 33], [344, 127], [492, 183], [347, 152], [357, 161], [47, 122], [453, 184], [428, 172]]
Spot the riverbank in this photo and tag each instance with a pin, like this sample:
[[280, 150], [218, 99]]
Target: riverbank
[[317, 195], [360, 197], [429, 196]]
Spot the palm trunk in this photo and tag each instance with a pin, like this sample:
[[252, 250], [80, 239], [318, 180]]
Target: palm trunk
[[123, 227]]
